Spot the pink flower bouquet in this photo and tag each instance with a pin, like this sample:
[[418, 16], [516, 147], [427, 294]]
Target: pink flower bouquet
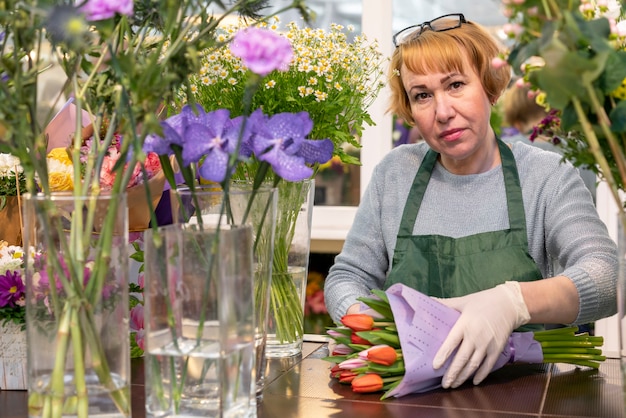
[[391, 344], [61, 174]]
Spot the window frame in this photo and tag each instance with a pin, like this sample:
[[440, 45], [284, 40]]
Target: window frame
[[330, 224]]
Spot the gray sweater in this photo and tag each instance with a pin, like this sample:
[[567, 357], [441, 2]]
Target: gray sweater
[[561, 220]]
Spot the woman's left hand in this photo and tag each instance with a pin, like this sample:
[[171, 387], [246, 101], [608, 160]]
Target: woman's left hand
[[487, 320]]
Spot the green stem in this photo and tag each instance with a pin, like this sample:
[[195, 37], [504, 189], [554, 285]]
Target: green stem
[[82, 409], [57, 382], [605, 124], [596, 150]]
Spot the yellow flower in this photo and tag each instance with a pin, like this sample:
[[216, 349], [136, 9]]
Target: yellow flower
[[60, 170], [620, 92]]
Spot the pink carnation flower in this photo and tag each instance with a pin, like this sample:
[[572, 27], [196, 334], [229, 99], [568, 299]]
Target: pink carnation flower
[[262, 50], [106, 9]]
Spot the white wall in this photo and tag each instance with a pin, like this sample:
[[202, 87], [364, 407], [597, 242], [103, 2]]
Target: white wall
[[608, 328]]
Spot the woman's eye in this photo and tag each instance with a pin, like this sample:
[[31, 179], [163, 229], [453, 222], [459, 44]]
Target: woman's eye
[[456, 85], [421, 96]]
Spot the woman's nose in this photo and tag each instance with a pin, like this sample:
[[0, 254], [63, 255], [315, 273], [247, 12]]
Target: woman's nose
[[444, 109]]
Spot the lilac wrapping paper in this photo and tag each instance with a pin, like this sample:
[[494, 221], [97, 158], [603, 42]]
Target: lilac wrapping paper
[[423, 324]]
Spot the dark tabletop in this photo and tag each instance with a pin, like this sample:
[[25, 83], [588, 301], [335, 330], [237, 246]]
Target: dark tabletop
[[300, 387]]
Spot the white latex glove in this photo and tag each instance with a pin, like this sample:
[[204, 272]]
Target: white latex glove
[[487, 320]]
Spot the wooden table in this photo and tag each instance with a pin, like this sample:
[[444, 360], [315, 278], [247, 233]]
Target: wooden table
[[300, 387]]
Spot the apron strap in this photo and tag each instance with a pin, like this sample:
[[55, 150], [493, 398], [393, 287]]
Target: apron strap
[[515, 203]]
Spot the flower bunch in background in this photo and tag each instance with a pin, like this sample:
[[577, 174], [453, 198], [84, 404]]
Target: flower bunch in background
[[12, 186], [61, 168], [331, 77], [136, 302], [12, 179], [574, 54], [12, 290], [390, 345], [316, 317]]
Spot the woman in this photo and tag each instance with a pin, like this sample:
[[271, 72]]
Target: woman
[[465, 218]]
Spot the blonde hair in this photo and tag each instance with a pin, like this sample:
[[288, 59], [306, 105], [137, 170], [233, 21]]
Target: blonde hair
[[521, 111], [444, 52]]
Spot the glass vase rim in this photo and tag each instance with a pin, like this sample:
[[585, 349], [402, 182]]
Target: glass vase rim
[[69, 195], [208, 189], [195, 228]]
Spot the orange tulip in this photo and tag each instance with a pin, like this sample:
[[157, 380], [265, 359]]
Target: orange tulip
[[367, 383], [358, 322], [355, 339], [382, 354], [347, 376]]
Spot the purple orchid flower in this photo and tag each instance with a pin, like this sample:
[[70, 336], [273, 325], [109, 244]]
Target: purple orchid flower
[[262, 50], [105, 9], [282, 142], [173, 131], [11, 289], [252, 123], [214, 142]]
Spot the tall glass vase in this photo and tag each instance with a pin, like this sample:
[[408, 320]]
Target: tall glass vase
[[285, 330], [77, 305], [199, 321], [240, 205]]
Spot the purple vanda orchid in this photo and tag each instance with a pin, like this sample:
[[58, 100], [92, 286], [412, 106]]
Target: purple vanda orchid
[[281, 141], [205, 138], [262, 50], [95, 10]]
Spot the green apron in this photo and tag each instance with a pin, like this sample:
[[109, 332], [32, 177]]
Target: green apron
[[446, 267]]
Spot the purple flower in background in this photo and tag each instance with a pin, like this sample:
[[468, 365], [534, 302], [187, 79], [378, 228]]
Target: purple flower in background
[[262, 50], [137, 324], [106, 9], [282, 142], [43, 286], [11, 289]]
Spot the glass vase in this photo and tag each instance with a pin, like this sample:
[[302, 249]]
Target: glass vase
[[285, 329], [199, 321], [240, 205], [76, 270]]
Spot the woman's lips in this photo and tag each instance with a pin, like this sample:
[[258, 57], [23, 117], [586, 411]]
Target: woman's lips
[[451, 134]]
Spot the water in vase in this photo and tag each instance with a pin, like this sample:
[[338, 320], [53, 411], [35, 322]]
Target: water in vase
[[286, 319], [191, 379]]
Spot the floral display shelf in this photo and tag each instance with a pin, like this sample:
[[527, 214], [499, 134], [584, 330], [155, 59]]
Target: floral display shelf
[[12, 357]]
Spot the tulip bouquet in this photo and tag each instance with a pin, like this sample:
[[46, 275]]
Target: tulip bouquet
[[390, 345]]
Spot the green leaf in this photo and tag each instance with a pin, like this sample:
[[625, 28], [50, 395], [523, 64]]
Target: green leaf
[[614, 71], [618, 117], [561, 86], [381, 337]]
